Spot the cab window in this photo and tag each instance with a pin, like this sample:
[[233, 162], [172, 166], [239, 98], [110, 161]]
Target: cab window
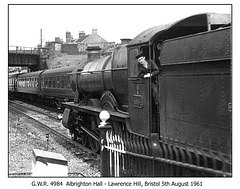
[[133, 63], [134, 70]]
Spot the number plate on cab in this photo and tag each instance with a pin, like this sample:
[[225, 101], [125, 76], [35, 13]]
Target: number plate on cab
[[138, 101]]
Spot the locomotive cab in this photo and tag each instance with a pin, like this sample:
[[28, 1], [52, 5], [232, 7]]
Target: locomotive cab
[[140, 97]]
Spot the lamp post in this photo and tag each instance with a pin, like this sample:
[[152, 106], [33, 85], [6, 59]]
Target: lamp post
[[104, 128]]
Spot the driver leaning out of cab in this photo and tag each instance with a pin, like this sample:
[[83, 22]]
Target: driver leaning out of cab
[[147, 68]]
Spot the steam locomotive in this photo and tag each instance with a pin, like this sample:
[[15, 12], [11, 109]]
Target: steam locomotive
[[187, 133]]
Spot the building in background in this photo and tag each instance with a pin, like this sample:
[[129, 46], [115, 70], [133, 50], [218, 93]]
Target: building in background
[[79, 46], [55, 47]]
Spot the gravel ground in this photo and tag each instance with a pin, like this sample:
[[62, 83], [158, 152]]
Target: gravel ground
[[24, 137]]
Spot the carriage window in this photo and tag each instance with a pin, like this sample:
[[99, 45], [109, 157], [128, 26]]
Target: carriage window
[[62, 80], [68, 81], [49, 83], [58, 82], [54, 82], [36, 82], [45, 82], [65, 84]]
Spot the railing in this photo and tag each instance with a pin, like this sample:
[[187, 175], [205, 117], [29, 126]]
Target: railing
[[23, 50], [125, 154]]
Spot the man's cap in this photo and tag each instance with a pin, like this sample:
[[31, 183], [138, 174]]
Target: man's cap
[[139, 55]]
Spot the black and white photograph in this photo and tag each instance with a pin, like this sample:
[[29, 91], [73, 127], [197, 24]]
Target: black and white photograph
[[119, 95]]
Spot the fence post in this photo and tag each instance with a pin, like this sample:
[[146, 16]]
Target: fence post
[[155, 146], [104, 127]]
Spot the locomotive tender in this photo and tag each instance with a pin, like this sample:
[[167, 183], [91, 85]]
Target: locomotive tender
[[188, 133]]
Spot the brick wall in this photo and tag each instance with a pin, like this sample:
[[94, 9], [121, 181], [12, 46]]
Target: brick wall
[[71, 49]]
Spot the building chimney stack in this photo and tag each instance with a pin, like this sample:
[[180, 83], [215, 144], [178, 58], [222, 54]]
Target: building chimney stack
[[68, 37], [81, 34], [57, 40], [94, 31]]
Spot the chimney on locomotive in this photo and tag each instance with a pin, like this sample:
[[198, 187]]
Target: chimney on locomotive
[[93, 52], [125, 41]]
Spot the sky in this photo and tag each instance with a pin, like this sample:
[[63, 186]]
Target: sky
[[112, 21]]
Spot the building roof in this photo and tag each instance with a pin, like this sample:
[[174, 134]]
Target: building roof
[[80, 39], [90, 38]]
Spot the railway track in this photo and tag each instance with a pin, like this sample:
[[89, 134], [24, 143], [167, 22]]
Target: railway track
[[24, 174], [37, 116], [49, 128], [40, 110]]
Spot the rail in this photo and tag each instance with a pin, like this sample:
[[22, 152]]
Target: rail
[[51, 129]]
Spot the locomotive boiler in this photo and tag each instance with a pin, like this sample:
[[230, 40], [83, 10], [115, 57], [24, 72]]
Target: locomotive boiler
[[102, 79], [100, 84]]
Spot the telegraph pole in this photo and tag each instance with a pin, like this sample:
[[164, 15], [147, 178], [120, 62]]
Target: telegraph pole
[[40, 38]]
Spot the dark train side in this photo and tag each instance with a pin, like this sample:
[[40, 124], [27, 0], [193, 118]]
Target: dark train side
[[185, 131], [188, 132]]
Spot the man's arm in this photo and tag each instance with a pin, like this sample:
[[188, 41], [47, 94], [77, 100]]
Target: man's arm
[[155, 70]]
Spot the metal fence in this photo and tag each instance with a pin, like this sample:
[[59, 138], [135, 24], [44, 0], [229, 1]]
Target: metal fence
[[23, 50], [124, 154]]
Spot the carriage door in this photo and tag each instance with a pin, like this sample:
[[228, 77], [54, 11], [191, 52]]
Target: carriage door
[[138, 97]]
